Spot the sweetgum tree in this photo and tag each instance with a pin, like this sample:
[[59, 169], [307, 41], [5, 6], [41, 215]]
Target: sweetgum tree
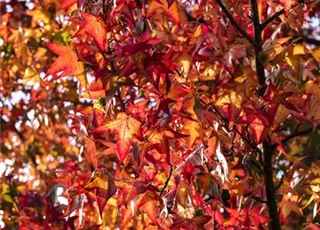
[[160, 114]]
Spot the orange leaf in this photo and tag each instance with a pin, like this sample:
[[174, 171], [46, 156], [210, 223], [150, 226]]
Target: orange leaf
[[258, 128], [288, 4], [91, 152], [103, 187], [125, 127], [171, 8], [95, 27], [149, 205], [67, 63], [193, 129]]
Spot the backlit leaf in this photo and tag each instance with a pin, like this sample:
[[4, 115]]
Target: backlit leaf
[[67, 63], [126, 128], [95, 27]]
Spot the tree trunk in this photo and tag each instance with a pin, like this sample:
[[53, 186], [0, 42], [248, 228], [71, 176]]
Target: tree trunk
[[269, 186]]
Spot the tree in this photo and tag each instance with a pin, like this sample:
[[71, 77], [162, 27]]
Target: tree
[[160, 114]]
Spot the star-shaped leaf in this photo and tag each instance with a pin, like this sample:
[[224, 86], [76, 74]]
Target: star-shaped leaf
[[103, 187], [95, 27], [125, 127], [67, 63]]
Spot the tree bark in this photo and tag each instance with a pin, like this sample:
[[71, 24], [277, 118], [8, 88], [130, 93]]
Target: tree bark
[[267, 147], [269, 186]]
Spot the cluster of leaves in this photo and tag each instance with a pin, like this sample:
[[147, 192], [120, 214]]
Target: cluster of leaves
[[35, 136], [182, 105]]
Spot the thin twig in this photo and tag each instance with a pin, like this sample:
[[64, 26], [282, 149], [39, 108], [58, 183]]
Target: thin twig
[[280, 183], [270, 19], [212, 108], [259, 199], [254, 197], [296, 134], [291, 136], [310, 41], [167, 181], [18, 133], [234, 23], [225, 123], [252, 145]]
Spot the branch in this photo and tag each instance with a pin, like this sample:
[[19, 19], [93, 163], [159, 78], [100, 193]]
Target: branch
[[256, 198], [269, 186], [212, 108], [270, 19], [311, 41], [252, 145], [18, 133], [296, 134], [291, 136], [280, 183], [267, 150], [258, 42], [167, 181], [234, 23]]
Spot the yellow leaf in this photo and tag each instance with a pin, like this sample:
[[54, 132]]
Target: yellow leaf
[[272, 47], [186, 62], [316, 54], [30, 76], [174, 11], [98, 183], [291, 206], [299, 50], [233, 98], [193, 129], [281, 115]]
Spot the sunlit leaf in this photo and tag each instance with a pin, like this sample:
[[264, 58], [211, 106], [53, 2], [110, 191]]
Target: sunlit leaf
[[126, 128]]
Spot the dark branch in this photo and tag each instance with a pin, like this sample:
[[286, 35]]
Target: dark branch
[[310, 41], [259, 200], [252, 145], [270, 19], [234, 23], [293, 135], [267, 150], [18, 133], [280, 183], [167, 181], [258, 42], [269, 186], [296, 134], [212, 108], [256, 198]]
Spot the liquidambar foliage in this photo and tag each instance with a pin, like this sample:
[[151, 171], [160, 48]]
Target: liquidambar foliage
[[160, 114]]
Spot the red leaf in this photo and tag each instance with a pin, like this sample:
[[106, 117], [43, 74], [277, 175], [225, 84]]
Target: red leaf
[[91, 152], [65, 4]]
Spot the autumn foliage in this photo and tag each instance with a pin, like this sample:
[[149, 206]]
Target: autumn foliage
[[160, 114]]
